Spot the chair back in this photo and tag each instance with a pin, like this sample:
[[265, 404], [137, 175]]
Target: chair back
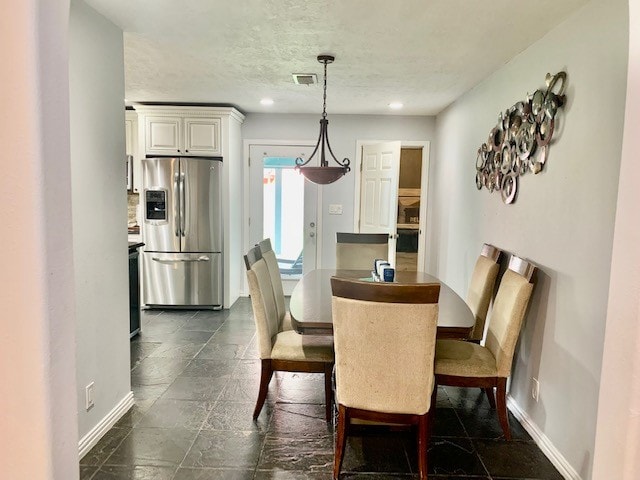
[[357, 251], [480, 290], [384, 340], [274, 273], [508, 313], [262, 300]]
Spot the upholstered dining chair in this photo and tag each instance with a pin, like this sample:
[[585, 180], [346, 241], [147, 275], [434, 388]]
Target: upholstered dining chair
[[466, 364], [285, 351], [483, 281], [284, 318], [357, 251], [384, 338]]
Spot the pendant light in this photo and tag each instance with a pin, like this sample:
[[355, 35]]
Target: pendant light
[[324, 174]]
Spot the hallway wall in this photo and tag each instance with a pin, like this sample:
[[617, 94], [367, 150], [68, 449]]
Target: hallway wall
[[562, 219], [99, 196]]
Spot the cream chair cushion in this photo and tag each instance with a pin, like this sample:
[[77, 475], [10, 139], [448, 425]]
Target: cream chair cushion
[[286, 324], [480, 291], [464, 359], [359, 256], [311, 348], [276, 281], [394, 344], [264, 307], [506, 319]]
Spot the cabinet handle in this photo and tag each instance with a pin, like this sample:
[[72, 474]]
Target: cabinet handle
[[179, 150], [186, 151]]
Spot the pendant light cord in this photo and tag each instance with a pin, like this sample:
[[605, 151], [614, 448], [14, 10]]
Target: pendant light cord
[[324, 96]]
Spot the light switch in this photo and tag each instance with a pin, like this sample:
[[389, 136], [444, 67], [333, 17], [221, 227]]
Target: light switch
[[335, 209]]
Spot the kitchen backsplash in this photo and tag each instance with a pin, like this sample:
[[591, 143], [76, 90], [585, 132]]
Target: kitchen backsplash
[[133, 199]]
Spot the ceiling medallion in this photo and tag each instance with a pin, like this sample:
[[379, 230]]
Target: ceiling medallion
[[519, 143], [324, 174]]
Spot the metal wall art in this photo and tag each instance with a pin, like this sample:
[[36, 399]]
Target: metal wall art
[[519, 143]]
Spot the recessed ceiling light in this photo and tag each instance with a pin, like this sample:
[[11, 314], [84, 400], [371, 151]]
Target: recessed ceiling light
[[266, 101], [395, 105]]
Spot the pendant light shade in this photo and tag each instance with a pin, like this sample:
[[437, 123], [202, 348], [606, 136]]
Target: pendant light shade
[[324, 174]]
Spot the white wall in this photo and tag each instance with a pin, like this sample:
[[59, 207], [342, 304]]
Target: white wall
[[344, 131], [562, 220], [96, 70], [38, 429], [618, 432]]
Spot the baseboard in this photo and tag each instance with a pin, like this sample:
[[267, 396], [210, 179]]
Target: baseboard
[[548, 448], [87, 442]]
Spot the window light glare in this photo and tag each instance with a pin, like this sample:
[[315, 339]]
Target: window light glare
[[395, 105], [266, 101]]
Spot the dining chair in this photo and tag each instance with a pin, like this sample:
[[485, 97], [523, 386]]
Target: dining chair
[[285, 351], [357, 251], [466, 364], [284, 318], [384, 339], [483, 281]]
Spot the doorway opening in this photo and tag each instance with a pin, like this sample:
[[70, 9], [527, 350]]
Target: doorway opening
[[408, 225], [392, 189]]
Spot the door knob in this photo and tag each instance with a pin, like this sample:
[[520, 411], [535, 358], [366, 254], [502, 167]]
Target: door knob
[[312, 234], [312, 224]]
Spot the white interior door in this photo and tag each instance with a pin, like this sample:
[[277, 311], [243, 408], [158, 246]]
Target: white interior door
[[283, 207], [379, 191]]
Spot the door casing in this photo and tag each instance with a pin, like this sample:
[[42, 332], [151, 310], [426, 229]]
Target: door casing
[[246, 207], [424, 191]]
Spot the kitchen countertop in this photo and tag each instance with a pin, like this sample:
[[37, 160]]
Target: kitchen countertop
[[134, 245]]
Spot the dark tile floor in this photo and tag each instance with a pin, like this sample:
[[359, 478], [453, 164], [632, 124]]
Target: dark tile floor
[[195, 379]]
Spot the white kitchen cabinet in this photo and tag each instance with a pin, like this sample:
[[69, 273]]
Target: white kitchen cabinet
[[163, 135], [186, 136], [202, 136]]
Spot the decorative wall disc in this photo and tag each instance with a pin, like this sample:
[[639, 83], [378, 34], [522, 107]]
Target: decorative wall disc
[[509, 188], [520, 140]]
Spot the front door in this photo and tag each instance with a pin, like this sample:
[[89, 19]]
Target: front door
[[283, 207], [379, 191]]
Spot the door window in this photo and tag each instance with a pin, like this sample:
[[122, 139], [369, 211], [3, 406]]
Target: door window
[[283, 212]]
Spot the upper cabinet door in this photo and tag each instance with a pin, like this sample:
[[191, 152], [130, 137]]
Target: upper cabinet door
[[202, 136], [163, 135]]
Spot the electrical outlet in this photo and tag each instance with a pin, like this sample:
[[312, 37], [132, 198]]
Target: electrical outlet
[[88, 396], [535, 388], [335, 209]]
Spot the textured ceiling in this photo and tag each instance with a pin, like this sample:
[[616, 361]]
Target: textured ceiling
[[423, 53]]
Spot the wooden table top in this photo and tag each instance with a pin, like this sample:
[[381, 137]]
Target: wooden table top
[[310, 304]]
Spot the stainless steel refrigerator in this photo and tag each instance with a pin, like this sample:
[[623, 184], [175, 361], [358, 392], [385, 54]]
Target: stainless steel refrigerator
[[182, 232]]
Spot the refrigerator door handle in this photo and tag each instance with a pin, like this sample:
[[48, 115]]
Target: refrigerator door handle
[[183, 208], [202, 258], [176, 201]]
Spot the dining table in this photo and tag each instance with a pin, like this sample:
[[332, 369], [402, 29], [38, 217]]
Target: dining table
[[310, 304]]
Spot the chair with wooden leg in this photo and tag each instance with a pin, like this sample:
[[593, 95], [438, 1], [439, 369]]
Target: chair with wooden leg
[[285, 351], [384, 340], [466, 364]]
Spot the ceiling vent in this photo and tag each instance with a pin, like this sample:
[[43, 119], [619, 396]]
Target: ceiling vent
[[305, 78]]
